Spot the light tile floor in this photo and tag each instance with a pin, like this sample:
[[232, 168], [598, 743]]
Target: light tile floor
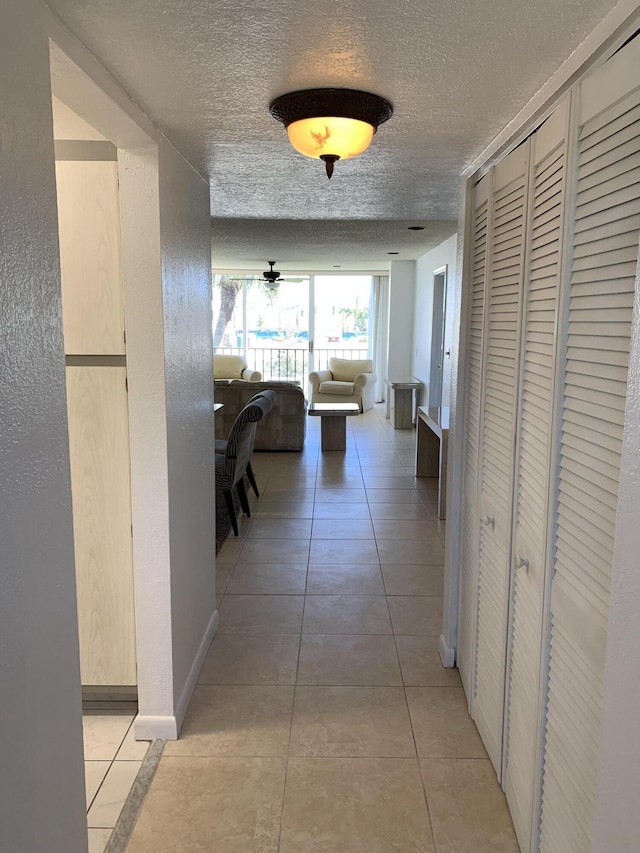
[[323, 721], [112, 760]]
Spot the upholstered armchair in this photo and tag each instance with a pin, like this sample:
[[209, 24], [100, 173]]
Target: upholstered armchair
[[233, 367], [346, 381]]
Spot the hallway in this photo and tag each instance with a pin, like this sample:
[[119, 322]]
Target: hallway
[[323, 721]]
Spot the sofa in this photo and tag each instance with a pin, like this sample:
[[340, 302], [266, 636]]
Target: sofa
[[346, 381], [233, 367], [283, 428]]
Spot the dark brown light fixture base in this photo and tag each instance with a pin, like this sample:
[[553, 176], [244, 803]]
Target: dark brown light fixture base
[[329, 160]]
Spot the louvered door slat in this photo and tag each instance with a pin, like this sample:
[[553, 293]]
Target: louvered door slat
[[472, 405], [533, 459], [504, 287], [603, 261]]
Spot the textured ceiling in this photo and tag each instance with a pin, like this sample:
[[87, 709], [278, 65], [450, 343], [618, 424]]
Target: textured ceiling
[[456, 72], [328, 244]]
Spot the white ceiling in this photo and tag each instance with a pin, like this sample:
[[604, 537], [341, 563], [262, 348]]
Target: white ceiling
[[205, 72], [329, 245]]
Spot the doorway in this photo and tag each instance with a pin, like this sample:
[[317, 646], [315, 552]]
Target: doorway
[[97, 405], [438, 327]]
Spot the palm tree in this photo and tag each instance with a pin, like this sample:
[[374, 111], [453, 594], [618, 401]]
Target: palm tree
[[229, 290]]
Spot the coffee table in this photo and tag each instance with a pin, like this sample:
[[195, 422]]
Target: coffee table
[[333, 423]]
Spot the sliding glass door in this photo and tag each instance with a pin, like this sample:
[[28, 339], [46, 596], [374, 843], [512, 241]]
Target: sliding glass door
[[287, 332], [341, 318]]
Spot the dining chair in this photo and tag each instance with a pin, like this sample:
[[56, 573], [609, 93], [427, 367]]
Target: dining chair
[[221, 444], [231, 465]]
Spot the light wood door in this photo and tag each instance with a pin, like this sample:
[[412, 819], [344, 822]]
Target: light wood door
[[543, 266], [100, 483], [503, 293], [603, 257], [89, 233]]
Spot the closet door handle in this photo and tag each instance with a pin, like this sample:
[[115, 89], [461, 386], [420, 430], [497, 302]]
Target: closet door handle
[[521, 563], [487, 521]]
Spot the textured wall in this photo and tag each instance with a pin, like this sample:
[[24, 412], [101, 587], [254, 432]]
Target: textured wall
[[443, 254], [402, 286], [186, 286], [40, 727]]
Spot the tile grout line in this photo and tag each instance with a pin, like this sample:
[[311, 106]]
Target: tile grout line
[[108, 770], [295, 689], [404, 691]]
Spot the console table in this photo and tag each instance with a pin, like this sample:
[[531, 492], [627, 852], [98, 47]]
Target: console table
[[401, 411], [333, 423], [431, 449]]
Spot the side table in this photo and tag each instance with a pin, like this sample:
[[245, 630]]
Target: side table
[[432, 449], [405, 393]]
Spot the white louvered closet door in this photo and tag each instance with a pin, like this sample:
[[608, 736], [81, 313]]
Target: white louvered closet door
[[472, 395], [603, 263], [547, 188], [500, 380]]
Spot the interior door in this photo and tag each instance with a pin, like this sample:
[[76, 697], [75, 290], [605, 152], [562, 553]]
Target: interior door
[[438, 324], [543, 264], [498, 423]]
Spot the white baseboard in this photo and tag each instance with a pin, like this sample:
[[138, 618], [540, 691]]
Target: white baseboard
[[151, 728], [447, 653], [194, 672], [168, 728]]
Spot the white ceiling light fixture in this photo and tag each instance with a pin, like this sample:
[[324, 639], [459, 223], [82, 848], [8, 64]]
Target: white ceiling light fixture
[[331, 124]]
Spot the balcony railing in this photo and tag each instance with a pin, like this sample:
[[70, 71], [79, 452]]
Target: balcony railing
[[290, 364]]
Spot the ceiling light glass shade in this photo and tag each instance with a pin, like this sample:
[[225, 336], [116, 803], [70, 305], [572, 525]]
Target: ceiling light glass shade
[[342, 137], [331, 124]]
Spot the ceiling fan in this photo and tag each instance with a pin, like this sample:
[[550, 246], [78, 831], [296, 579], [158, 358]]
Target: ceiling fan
[[272, 277]]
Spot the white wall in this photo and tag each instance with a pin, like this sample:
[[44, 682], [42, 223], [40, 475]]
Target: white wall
[[42, 803], [167, 280], [166, 262], [402, 285], [144, 315], [41, 777], [444, 254], [185, 233]]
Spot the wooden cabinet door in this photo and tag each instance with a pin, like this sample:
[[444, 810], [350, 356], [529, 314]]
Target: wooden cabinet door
[[89, 233], [100, 483]]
